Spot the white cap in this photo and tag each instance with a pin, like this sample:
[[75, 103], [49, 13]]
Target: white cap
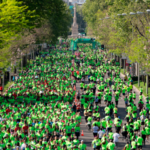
[[81, 140]]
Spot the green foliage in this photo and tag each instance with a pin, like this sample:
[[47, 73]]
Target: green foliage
[[7, 85], [127, 34], [27, 22], [142, 85]]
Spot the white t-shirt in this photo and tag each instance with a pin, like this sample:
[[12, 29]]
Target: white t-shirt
[[41, 92], [1, 119], [36, 77], [95, 129], [23, 146], [101, 133], [116, 136]]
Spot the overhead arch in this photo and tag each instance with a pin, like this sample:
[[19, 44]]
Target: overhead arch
[[73, 44]]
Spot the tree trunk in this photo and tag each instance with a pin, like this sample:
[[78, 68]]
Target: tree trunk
[[3, 80]]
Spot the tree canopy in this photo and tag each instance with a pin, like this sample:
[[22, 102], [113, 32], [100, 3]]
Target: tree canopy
[[28, 22], [126, 33]]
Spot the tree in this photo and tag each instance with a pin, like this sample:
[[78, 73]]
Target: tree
[[122, 34], [24, 23]]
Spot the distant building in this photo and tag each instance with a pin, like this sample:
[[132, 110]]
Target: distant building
[[66, 1], [79, 18], [79, 2], [74, 25]]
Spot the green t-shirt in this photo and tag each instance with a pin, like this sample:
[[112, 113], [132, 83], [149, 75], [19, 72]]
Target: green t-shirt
[[111, 146], [139, 141], [82, 147], [133, 144], [110, 135], [128, 147]]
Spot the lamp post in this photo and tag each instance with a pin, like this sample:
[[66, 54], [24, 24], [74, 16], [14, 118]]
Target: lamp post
[[132, 13], [148, 11], [21, 55], [119, 14], [3, 80], [124, 14], [10, 75], [139, 13], [2, 76]]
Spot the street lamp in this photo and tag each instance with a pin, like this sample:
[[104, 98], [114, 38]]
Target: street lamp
[[119, 14], [132, 13], [148, 10], [124, 14], [139, 13]]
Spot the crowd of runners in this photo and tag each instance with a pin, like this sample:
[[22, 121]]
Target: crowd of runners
[[105, 84], [43, 108]]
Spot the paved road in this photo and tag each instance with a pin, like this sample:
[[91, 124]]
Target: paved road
[[88, 136]]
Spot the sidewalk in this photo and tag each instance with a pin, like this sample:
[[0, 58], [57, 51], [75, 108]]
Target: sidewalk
[[135, 89]]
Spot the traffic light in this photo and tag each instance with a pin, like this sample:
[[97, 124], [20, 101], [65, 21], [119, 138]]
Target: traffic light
[[102, 47]]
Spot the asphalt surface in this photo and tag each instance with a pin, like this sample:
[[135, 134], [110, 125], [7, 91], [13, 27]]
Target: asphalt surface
[[88, 135]]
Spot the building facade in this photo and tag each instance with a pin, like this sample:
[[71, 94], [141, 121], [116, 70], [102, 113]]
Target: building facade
[[66, 1], [79, 2]]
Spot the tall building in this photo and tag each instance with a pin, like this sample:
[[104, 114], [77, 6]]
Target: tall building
[[77, 21], [74, 25]]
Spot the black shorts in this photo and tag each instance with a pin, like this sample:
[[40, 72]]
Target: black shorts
[[144, 137], [118, 129], [108, 129], [124, 133], [86, 119], [142, 123], [127, 119], [78, 110], [139, 146], [94, 134], [77, 134], [96, 103], [98, 147], [69, 134]]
